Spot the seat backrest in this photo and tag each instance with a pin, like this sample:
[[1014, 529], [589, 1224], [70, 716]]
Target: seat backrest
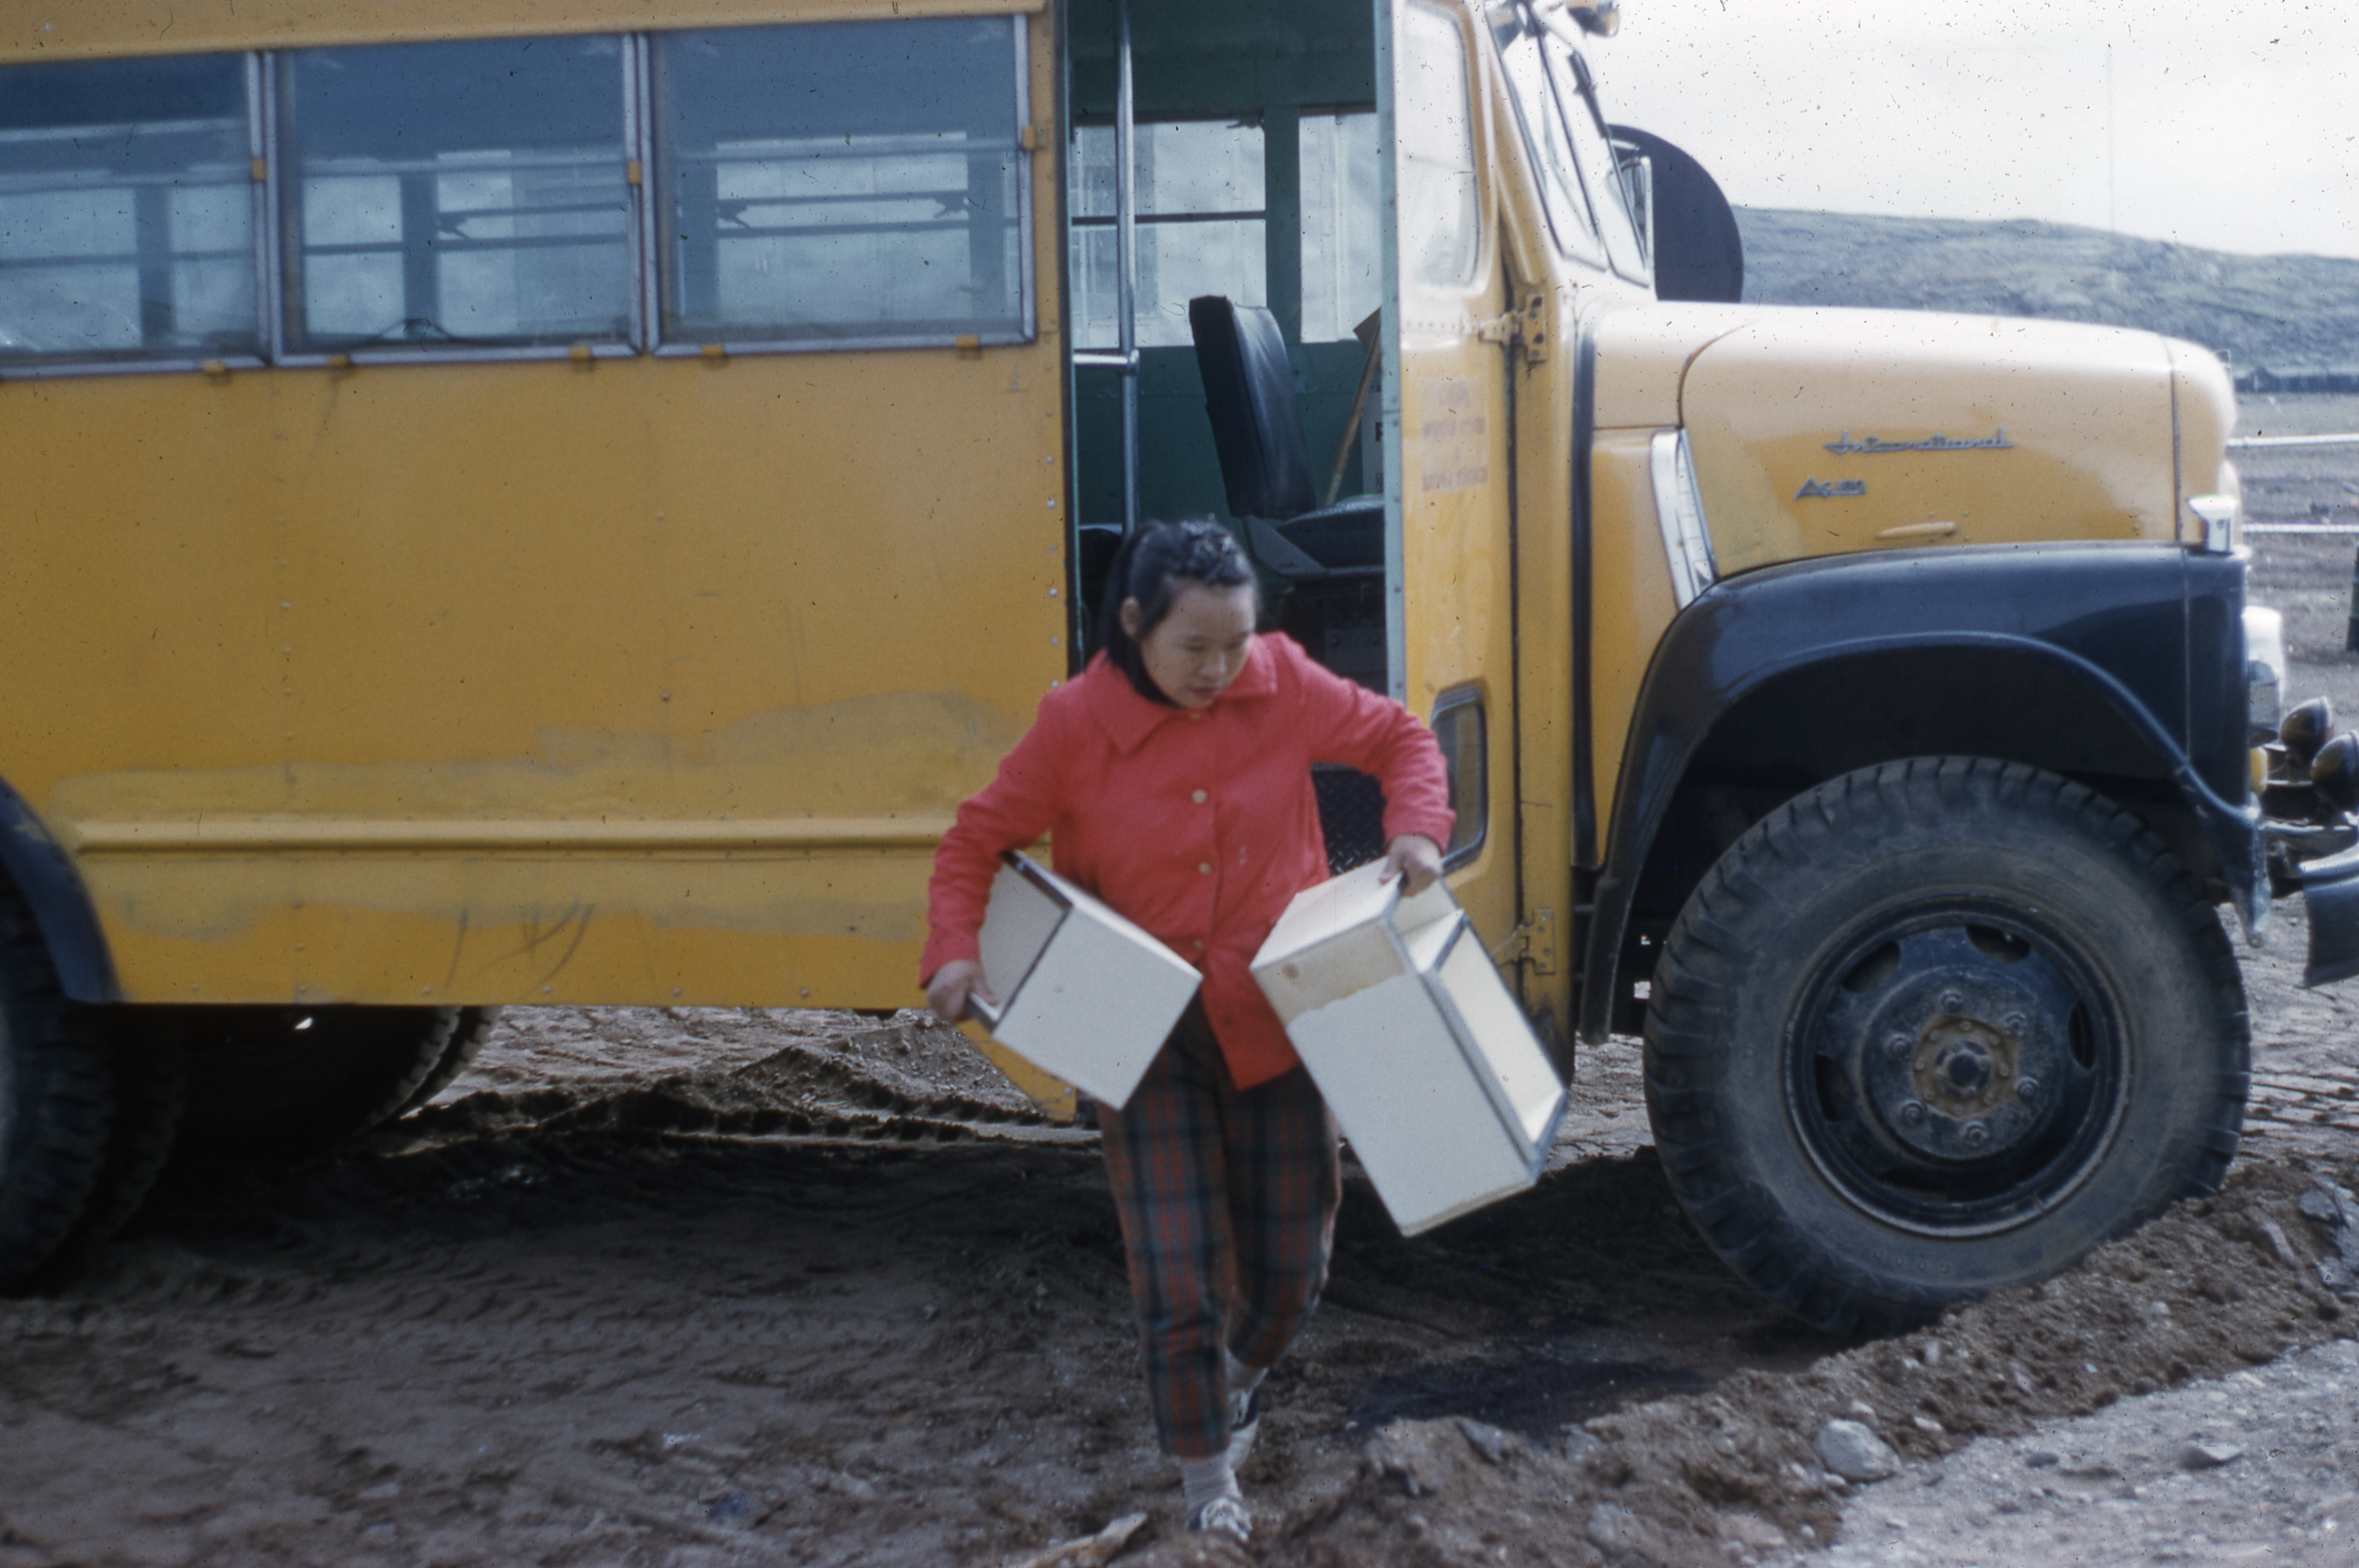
[[1249, 394]]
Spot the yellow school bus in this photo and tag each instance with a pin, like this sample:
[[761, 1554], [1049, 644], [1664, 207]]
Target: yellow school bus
[[512, 502]]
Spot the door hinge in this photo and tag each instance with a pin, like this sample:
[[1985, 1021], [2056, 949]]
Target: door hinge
[[1526, 326], [1533, 942]]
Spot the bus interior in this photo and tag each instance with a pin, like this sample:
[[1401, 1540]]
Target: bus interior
[[1254, 182]]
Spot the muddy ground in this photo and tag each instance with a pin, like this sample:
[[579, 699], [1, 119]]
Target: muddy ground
[[698, 1287]]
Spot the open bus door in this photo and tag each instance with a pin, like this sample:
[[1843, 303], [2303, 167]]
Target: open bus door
[[1450, 523]]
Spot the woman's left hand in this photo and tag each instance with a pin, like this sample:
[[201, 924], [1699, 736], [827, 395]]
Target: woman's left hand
[[1416, 859]]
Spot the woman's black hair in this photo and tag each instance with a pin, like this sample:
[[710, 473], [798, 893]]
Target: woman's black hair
[[1149, 567]]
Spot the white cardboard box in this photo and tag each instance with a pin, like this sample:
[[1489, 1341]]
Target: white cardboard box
[[1084, 993], [1421, 1051]]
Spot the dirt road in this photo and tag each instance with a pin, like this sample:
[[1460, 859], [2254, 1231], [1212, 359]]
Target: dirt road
[[707, 1288]]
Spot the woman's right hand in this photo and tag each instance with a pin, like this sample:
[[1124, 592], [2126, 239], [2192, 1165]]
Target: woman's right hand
[[947, 992]]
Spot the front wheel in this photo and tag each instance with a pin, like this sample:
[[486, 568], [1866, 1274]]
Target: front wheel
[[1936, 1028]]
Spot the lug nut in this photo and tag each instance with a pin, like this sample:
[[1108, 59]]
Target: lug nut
[[2026, 1087], [1912, 1113], [2016, 1023], [1952, 1003], [1973, 1135], [1898, 1047]]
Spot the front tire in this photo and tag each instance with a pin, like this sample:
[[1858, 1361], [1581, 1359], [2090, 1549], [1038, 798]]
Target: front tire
[[1937, 1028]]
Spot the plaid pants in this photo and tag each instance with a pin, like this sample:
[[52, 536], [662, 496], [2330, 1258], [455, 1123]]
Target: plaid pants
[[1227, 1199]]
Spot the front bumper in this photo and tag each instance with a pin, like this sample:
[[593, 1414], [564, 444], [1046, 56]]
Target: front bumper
[[2330, 895]]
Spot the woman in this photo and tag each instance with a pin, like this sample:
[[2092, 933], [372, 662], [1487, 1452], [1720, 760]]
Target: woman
[[1174, 776]]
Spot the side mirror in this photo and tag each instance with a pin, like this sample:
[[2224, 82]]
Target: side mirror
[[1697, 251]]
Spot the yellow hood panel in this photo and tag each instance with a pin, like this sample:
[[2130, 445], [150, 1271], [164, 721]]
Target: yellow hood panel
[[1819, 432]]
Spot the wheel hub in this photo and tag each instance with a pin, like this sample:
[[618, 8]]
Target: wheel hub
[[1958, 1075]]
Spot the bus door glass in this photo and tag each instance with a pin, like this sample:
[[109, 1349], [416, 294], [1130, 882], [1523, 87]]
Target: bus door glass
[[1449, 555]]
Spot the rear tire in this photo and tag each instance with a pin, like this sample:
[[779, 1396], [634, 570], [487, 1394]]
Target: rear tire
[[1937, 1028], [55, 1101], [467, 1036], [275, 1084], [148, 1069]]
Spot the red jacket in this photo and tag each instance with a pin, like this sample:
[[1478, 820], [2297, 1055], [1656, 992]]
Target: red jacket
[[1199, 824]]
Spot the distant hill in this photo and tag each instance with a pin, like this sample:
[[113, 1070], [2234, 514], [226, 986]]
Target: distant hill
[[2284, 313]]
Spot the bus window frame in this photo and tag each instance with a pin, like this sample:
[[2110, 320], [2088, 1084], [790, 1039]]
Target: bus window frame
[[1076, 224], [643, 338], [631, 345], [181, 364], [1026, 261]]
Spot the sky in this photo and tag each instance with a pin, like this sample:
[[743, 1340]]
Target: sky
[[2232, 124]]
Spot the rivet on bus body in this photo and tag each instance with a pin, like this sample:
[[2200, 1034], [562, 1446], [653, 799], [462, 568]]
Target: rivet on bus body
[[714, 354], [969, 346], [806, 993], [216, 370], [1052, 503], [580, 354], [1052, 593]]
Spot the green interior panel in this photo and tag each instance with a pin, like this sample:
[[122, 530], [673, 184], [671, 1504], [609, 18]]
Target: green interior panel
[[1179, 475], [1193, 57], [1272, 62]]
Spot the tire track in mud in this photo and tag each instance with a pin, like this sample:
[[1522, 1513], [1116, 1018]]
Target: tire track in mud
[[631, 1303], [823, 1292], [866, 1085]]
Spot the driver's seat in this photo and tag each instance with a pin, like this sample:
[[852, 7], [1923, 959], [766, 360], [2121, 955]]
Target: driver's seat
[[1264, 459]]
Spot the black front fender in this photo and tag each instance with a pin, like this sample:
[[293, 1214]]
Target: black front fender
[[2118, 662]]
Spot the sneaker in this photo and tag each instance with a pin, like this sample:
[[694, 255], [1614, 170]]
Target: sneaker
[[1245, 1425], [1224, 1515]]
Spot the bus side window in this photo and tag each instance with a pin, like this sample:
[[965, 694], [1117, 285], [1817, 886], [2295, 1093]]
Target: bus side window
[[126, 212], [1343, 222], [456, 195], [842, 183], [1203, 227]]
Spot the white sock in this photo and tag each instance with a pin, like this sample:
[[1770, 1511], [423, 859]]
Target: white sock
[[1243, 1379], [1205, 1480]]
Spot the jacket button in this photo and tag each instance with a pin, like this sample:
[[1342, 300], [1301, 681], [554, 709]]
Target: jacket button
[[1204, 868], [1199, 798], [1200, 944]]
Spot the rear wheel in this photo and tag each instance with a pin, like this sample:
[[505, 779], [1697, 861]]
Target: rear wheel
[[1936, 1028], [293, 1083], [467, 1036], [55, 1101], [147, 1068]]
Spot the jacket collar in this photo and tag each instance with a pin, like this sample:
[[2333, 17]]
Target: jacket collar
[[1129, 718]]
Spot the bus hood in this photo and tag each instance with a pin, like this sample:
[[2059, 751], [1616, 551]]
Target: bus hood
[[1817, 432]]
